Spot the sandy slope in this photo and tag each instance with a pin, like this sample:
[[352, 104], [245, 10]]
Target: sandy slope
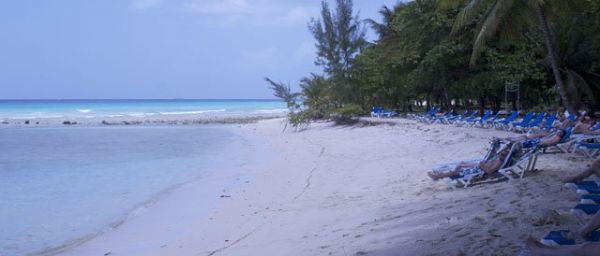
[[354, 191]]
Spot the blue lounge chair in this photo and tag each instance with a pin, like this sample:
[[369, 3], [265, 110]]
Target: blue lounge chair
[[418, 116], [589, 149], [533, 124], [583, 184], [429, 115], [452, 118], [562, 144], [590, 199], [564, 237], [585, 209], [459, 118], [468, 119], [571, 117], [524, 164], [388, 113], [480, 121], [548, 124], [507, 166], [440, 119], [585, 187], [376, 112], [588, 190], [524, 122], [505, 121], [490, 122], [381, 112]]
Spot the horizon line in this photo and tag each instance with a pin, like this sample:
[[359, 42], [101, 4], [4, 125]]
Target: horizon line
[[143, 99]]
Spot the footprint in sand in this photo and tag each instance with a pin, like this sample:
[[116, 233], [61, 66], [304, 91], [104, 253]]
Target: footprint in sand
[[478, 220], [511, 220]]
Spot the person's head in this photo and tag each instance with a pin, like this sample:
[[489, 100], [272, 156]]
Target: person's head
[[561, 133], [504, 151]]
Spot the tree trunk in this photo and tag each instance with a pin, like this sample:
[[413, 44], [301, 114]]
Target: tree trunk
[[553, 57], [481, 105]]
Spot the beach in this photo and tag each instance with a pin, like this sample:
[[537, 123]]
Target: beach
[[348, 190]]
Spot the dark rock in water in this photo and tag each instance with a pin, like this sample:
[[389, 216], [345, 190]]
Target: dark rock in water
[[37, 122], [73, 122], [104, 122], [27, 122], [67, 123], [4, 122]]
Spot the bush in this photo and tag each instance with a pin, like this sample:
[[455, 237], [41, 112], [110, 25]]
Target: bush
[[348, 114]]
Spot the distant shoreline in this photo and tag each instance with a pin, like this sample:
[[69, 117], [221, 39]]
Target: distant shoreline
[[136, 121]]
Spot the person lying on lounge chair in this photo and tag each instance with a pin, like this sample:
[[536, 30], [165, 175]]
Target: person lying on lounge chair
[[584, 125], [487, 166], [542, 139], [535, 248], [594, 169]]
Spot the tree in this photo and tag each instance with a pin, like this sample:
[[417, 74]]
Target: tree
[[340, 36], [511, 17]]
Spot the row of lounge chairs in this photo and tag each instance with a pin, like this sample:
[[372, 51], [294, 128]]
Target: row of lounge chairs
[[529, 122], [521, 160], [519, 163]]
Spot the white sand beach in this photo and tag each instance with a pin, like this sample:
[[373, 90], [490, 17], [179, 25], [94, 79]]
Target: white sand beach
[[338, 190]]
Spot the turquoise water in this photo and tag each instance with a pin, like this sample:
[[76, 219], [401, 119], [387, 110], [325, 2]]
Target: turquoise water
[[61, 185], [23, 109]]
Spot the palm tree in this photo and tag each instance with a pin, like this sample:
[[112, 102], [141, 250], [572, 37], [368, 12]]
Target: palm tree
[[384, 29], [510, 18]]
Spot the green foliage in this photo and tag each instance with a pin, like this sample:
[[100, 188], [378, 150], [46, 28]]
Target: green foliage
[[347, 114], [340, 36], [454, 53]]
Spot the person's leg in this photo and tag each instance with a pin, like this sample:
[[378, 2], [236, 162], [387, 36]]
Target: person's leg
[[519, 138], [594, 169], [463, 165], [592, 225], [441, 175]]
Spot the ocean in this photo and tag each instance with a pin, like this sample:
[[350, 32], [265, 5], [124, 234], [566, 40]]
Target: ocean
[[60, 186], [34, 109]]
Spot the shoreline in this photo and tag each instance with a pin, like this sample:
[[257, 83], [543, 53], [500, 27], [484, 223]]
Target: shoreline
[[135, 121], [339, 190], [201, 168]]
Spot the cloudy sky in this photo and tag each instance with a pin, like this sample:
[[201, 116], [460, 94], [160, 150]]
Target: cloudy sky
[[99, 49]]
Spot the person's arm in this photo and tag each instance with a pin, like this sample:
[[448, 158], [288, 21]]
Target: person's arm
[[592, 225], [594, 169], [491, 166]]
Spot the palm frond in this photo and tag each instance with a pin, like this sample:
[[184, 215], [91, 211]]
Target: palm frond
[[581, 85], [492, 21], [465, 15]]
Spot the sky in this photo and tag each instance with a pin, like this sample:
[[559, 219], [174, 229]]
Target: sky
[[157, 49]]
